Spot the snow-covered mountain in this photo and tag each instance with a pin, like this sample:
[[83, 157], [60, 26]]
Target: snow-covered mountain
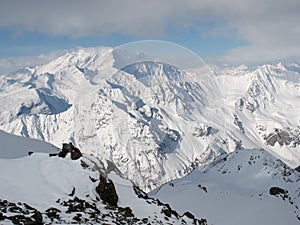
[[154, 121], [198, 140]]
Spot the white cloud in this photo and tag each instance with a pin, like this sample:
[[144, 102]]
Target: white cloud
[[271, 27], [14, 63]]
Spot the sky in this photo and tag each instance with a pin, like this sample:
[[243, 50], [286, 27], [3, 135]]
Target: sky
[[219, 31]]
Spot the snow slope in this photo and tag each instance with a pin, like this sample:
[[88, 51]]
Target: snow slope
[[235, 189], [61, 191], [15, 147], [153, 120]]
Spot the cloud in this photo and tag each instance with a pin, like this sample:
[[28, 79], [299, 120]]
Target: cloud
[[271, 27], [14, 63]]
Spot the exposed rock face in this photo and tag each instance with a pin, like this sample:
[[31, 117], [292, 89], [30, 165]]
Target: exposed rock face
[[238, 123], [107, 192], [283, 137], [69, 148], [280, 136], [202, 130]]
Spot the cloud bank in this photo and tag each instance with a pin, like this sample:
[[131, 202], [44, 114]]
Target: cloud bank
[[271, 27], [14, 63]]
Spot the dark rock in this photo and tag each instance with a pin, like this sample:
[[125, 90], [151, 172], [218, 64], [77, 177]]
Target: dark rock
[[77, 217], [202, 187], [2, 217], [297, 169], [277, 191], [145, 220], [30, 153], [62, 153], [84, 164], [127, 212], [140, 193], [75, 154], [202, 222], [73, 192], [189, 215], [65, 149], [38, 218], [237, 122], [282, 138], [78, 207], [107, 192], [14, 209], [93, 179], [52, 213], [17, 219], [53, 154], [69, 148], [167, 212]]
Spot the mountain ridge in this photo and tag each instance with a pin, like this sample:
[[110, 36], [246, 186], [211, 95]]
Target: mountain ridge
[[108, 115]]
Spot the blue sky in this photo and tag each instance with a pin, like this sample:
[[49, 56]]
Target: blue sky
[[248, 31], [32, 43]]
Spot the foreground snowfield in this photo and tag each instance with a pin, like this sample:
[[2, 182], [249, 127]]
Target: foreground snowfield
[[235, 190], [52, 184]]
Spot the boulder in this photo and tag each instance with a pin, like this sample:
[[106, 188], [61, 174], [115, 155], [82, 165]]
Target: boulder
[[69, 148], [189, 215], [75, 153], [297, 169], [277, 191], [38, 218], [107, 192]]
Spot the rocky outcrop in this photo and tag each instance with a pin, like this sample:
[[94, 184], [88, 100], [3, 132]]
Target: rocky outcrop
[[284, 194], [202, 130], [238, 123], [280, 136], [277, 191], [69, 148], [167, 210], [107, 192], [283, 137], [20, 213]]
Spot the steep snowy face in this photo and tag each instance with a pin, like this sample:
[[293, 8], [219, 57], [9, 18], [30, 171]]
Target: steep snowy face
[[142, 116], [48, 89], [263, 103], [145, 119]]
